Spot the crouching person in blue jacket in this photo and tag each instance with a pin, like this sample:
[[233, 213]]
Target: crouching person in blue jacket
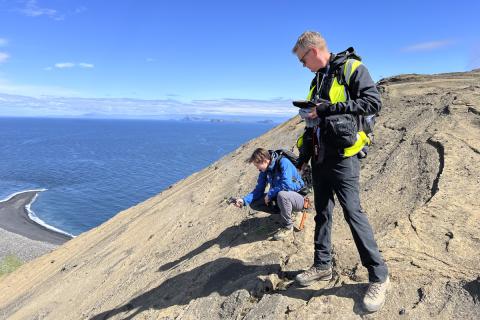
[[284, 180]]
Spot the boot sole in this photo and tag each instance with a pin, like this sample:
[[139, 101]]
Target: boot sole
[[308, 283], [373, 309]]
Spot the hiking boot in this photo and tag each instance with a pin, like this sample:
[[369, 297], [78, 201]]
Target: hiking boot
[[283, 233], [375, 295], [313, 274]]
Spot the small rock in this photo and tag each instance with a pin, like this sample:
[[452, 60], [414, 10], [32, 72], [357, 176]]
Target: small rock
[[270, 283], [283, 285]]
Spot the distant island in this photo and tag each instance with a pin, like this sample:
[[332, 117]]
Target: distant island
[[230, 119]]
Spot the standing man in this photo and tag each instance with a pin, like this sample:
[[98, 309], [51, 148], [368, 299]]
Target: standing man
[[344, 94]]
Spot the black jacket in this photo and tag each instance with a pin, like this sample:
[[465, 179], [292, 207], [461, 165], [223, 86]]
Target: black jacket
[[363, 98]]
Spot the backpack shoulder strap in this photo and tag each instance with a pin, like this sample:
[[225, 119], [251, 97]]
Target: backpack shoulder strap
[[349, 68]]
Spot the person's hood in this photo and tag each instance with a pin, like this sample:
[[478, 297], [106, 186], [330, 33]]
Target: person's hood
[[273, 161]]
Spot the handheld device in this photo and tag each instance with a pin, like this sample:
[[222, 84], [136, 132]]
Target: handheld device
[[232, 200], [303, 104]]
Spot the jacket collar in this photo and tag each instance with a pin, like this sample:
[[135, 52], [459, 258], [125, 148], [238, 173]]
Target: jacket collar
[[338, 59], [273, 161]]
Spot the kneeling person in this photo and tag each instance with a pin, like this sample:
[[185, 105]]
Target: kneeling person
[[284, 180]]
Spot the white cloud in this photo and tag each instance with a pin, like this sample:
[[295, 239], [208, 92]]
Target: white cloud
[[3, 42], [3, 57], [48, 68], [150, 60], [64, 65], [86, 65], [32, 9], [80, 10], [68, 65], [45, 105], [427, 46], [29, 91]]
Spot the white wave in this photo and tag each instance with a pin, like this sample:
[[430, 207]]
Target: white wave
[[20, 192], [33, 216]]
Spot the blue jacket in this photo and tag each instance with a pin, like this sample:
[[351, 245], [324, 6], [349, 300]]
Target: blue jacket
[[283, 178]]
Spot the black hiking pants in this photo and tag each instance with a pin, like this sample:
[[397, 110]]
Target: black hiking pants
[[341, 176]]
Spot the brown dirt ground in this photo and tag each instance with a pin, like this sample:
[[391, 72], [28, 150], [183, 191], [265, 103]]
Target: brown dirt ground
[[186, 254]]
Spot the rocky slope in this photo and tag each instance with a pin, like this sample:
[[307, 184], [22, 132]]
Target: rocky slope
[[186, 254]]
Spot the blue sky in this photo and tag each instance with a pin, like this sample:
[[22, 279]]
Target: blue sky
[[191, 51]]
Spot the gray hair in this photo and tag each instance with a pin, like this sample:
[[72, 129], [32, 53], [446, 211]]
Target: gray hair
[[310, 39]]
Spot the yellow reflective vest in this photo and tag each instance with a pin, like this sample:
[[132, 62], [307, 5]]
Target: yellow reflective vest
[[338, 93]]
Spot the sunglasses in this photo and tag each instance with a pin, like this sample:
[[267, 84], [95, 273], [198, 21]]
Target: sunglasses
[[302, 59]]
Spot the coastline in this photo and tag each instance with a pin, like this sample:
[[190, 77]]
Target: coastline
[[16, 217]]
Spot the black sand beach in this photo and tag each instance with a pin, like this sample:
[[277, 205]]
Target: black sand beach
[[14, 218]]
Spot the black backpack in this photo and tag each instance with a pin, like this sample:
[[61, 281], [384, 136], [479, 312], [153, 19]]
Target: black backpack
[[367, 122]]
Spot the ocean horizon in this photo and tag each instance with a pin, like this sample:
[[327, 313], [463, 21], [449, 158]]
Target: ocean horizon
[[87, 170]]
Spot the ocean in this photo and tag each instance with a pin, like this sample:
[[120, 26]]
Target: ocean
[[92, 169]]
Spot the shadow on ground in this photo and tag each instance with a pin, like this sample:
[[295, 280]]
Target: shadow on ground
[[351, 291], [473, 288], [248, 231], [223, 276]]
